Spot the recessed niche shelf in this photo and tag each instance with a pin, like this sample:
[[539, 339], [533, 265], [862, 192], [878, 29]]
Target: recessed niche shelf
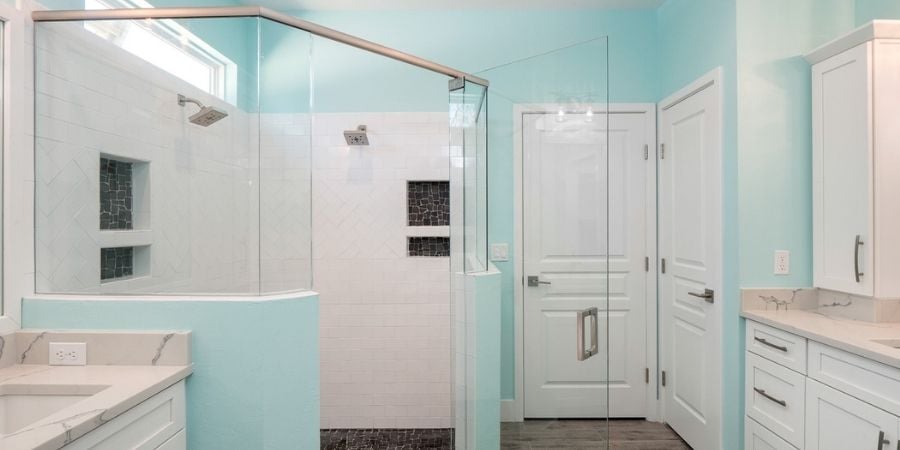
[[428, 203], [428, 246], [122, 263], [124, 193]]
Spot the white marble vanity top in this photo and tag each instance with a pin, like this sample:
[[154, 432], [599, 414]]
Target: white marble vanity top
[[850, 335], [127, 387]]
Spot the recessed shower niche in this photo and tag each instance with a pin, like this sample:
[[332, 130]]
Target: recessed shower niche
[[428, 218], [124, 196], [124, 216]]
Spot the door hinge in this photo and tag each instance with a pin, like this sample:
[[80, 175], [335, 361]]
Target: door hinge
[[646, 151], [662, 265], [646, 264], [663, 377], [647, 375], [662, 151]]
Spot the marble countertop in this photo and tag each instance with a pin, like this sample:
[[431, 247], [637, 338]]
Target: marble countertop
[[127, 387], [850, 335]]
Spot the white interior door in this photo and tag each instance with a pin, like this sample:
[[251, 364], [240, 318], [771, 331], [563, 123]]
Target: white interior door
[[567, 238], [690, 245]]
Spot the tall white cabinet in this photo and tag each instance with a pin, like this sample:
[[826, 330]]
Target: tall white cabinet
[[856, 162]]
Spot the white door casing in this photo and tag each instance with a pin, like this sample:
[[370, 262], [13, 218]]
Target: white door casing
[[565, 243], [690, 244]]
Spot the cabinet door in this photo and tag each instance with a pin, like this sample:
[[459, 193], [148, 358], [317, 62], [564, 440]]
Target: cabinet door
[[842, 171], [837, 421], [758, 437]]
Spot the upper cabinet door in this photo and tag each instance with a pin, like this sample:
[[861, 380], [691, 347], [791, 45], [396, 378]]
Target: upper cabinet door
[[842, 171]]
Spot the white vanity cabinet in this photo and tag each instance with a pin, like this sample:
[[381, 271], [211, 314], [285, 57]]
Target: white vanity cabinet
[[833, 400], [856, 137], [155, 423]]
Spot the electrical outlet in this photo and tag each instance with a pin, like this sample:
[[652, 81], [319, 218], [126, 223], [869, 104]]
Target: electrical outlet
[[499, 252], [68, 353], [782, 262]]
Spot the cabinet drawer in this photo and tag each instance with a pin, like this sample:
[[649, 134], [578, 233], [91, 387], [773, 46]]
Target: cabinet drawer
[[758, 437], [785, 348], [146, 426], [867, 380], [177, 442], [775, 398]]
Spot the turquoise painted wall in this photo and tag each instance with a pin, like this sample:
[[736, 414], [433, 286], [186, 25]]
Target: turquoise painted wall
[[256, 363], [700, 36], [867, 10], [774, 132]]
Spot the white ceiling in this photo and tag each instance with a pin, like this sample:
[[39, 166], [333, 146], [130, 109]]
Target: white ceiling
[[370, 5]]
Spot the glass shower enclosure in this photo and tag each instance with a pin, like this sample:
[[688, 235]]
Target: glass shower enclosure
[[213, 152]]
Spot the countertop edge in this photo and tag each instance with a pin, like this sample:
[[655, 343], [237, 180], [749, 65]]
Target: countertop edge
[[94, 419], [840, 344]]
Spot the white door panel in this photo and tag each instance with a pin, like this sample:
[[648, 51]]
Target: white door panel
[[568, 239], [690, 244]]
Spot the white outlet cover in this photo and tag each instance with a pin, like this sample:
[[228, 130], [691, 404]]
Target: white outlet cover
[[782, 262], [500, 252], [68, 354]]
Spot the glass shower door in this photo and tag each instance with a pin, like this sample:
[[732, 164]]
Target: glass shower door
[[549, 122]]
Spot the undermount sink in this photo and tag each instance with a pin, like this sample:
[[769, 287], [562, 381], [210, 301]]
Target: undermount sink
[[22, 404], [895, 343]]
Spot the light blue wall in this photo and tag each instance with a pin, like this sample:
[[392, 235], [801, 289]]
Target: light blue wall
[[485, 407], [774, 134], [699, 37], [256, 363], [867, 10]]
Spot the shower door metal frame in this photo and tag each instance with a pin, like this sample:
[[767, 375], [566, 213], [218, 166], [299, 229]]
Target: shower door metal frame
[[253, 11]]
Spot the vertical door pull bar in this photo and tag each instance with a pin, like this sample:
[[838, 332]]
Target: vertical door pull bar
[[583, 353]]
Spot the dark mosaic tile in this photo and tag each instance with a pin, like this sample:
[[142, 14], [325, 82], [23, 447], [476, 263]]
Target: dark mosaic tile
[[428, 246], [428, 203], [387, 439], [116, 194], [116, 262]]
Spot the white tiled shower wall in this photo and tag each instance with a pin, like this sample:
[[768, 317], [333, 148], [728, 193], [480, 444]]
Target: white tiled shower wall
[[208, 196], [385, 317]]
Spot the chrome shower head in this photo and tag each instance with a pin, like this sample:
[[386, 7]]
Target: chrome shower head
[[357, 136], [207, 115]]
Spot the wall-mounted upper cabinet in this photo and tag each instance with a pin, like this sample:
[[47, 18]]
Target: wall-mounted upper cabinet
[[856, 161]]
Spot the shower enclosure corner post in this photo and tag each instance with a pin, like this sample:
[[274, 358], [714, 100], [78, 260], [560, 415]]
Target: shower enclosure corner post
[[468, 240]]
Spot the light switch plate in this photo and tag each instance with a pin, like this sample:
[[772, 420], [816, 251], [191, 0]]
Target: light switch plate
[[68, 354], [500, 252], [782, 262]]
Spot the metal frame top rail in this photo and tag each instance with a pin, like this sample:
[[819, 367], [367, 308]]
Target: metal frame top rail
[[252, 11]]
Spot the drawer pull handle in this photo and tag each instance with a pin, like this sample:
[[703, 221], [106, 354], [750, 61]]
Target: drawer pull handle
[[882, 441], [765, 342], [764, 394]]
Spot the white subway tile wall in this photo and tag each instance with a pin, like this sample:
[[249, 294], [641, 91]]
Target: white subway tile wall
[[228, 201], [385, 317]]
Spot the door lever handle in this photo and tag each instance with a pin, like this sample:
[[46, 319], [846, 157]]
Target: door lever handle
[[708, 294], [534, 280]]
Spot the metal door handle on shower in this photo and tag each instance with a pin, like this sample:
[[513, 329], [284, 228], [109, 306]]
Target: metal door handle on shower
[[534, 280]]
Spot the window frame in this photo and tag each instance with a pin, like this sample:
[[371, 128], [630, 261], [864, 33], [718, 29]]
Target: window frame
[[223, 71]]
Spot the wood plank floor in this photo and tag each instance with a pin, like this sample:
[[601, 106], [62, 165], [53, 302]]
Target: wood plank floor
[[585, 434]]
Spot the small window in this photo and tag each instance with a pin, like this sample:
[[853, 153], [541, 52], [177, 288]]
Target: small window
[[169, 46]]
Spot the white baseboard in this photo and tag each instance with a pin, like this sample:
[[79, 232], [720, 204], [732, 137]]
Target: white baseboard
[[510, 411]]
